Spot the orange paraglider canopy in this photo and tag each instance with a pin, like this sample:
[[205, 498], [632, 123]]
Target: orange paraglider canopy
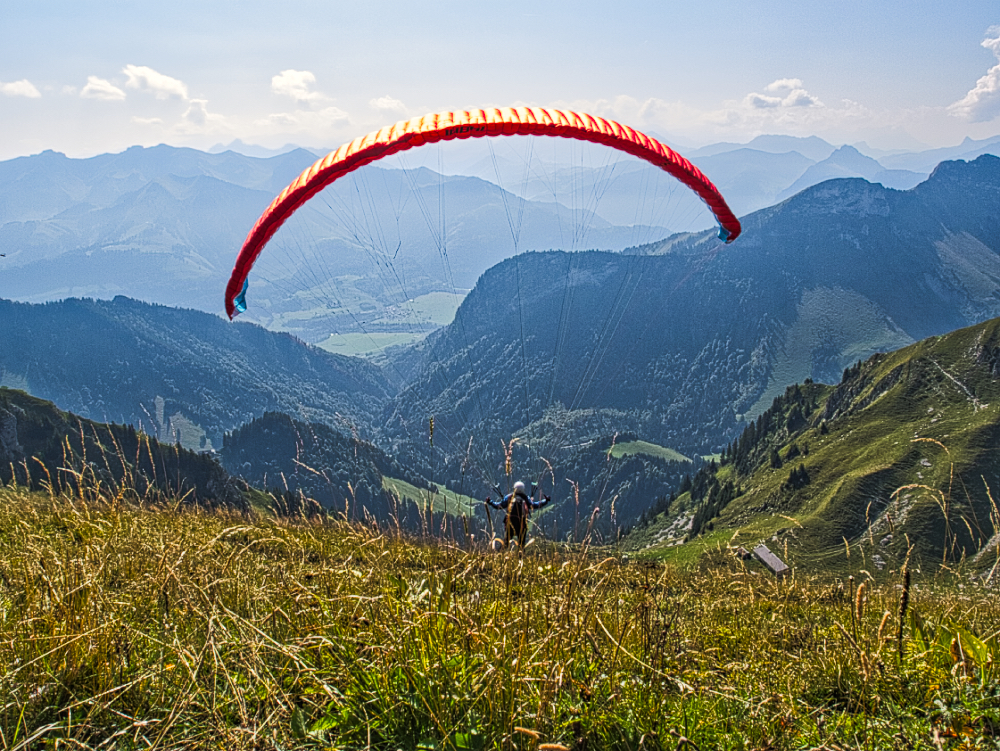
[[446, 126]]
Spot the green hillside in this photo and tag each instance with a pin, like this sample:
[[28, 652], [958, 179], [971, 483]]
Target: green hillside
[[314, 467], [130, 612], [442, 500], [630, 448], [898, 458]]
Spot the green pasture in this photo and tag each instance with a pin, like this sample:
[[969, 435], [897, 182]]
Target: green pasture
[[442, 500], [630, 448]]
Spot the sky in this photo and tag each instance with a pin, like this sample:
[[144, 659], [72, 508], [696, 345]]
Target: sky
[[85, 77]]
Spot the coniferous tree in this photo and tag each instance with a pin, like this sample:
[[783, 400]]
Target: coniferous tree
[[775, 459], [686, 484]]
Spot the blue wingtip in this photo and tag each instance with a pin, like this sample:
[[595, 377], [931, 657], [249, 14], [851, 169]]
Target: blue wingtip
[[724, 234], [240, 301]]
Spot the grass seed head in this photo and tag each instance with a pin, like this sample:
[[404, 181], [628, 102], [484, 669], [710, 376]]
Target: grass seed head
[[881, 628], [859, 601]]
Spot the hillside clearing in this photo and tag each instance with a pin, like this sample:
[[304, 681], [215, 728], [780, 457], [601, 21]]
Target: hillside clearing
[[630, 448]]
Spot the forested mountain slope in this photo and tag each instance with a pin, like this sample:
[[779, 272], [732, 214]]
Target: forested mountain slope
[[298, 460], [45, 448], [179, 374], [683, 340]]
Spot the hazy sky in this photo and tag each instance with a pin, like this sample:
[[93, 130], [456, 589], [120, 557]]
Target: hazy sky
[[88, 77]]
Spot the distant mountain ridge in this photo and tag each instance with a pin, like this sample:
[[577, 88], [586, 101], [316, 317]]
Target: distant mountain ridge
[[41, 186], [847, 161], [163, 224], [811, 147], [968, 150]]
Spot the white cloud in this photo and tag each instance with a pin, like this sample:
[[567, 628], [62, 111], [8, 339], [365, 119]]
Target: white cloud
[[24, 88], [197, 119], [800, 98], [147, 120], [785, 106], [388, 104], [315, 122], [784, 84], [785, 92], [163, 87], [297, 85], [982, 103], [760, 101], [197, 112], [99, 88], [790, 109]]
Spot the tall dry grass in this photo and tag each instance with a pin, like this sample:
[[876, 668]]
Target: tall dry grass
[[157, 625]]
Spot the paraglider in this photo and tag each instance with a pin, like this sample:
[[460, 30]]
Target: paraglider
[[518, 506], [447, 126]]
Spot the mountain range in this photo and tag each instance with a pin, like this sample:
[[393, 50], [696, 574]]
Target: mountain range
[[180, 375], [163, 224]]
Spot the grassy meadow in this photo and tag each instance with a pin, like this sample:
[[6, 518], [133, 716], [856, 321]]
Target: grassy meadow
[[441, 500], [432, 309], [630, 448], [133, 623]]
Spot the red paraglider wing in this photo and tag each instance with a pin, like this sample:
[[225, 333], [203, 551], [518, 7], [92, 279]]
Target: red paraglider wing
[[446, 126]]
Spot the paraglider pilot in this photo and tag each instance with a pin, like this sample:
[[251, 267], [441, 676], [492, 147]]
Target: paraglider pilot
[[518, 506]]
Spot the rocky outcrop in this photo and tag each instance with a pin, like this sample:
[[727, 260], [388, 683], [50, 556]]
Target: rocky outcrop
[[10, 449]]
